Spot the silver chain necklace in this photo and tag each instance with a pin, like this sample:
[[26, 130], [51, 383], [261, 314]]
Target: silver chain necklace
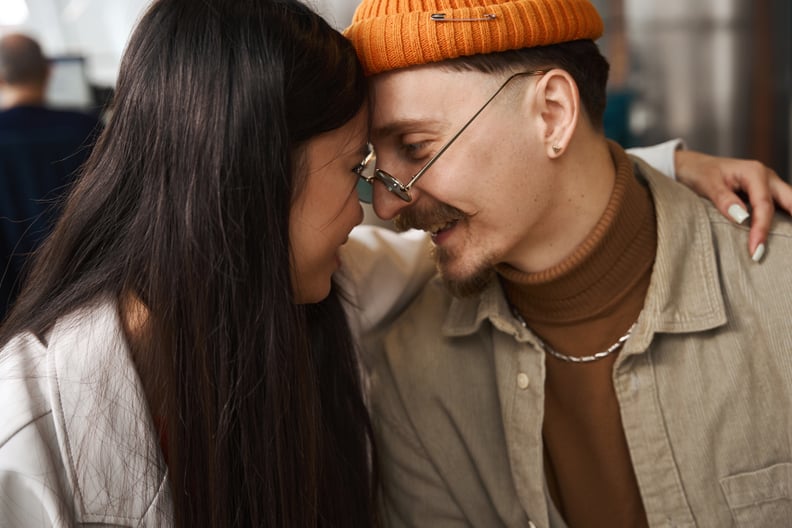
[[578, 359]]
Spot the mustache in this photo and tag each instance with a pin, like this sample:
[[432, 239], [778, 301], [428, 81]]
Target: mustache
[[438, 214]]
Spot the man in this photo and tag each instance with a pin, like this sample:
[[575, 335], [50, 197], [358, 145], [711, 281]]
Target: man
[[611, 356], [40, 150]]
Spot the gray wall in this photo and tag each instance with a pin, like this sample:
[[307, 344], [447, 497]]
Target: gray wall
[[715, 72]]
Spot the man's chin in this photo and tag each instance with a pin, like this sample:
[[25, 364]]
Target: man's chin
[[470, 285], [462, 282]]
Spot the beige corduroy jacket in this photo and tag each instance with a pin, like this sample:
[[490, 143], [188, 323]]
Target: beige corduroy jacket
[[704, 386]]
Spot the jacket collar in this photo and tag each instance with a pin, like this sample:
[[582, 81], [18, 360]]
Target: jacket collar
[[105, 433], [684, 293]]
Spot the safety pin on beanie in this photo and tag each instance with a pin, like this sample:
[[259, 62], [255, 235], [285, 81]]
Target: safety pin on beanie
[[441, 17]]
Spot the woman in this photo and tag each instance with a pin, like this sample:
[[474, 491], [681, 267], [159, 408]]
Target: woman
[[180, 355], [177, 285]]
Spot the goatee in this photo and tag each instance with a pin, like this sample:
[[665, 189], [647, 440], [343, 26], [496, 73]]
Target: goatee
[[466, 286]]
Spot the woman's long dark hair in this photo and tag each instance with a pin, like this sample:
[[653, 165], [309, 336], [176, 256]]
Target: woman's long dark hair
[[184, 205]]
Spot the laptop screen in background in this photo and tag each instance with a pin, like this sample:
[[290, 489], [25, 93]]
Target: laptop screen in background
[[68, 85]]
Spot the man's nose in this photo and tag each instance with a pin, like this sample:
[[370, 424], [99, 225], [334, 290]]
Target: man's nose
[[386, 204]]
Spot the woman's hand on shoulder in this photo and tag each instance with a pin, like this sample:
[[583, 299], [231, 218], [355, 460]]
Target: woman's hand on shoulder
[[721, 179]]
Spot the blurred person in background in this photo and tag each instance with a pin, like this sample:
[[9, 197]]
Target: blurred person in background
[[41, 150]]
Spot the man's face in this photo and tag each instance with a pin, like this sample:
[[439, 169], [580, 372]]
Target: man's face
[[487, 199]]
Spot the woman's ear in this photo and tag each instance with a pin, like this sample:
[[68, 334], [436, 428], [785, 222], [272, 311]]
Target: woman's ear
[[558, 104]]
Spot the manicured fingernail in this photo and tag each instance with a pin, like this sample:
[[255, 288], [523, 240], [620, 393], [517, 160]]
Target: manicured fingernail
[[758, 253], [738, 212]]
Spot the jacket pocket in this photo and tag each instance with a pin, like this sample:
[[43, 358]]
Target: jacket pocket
[[760, 498]]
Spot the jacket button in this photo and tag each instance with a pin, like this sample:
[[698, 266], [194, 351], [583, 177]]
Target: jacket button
[[523, 381]]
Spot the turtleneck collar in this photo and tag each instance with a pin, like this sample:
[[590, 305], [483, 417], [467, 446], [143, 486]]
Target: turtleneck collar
[[616, 255]]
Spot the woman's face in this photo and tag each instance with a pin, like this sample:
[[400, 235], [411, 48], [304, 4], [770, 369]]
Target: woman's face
[[326, 208]]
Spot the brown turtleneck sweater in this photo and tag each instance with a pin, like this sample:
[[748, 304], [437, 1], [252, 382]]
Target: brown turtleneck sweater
[[580, 307]]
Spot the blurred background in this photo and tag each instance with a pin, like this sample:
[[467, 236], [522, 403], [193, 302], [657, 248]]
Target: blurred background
[[717, 73]]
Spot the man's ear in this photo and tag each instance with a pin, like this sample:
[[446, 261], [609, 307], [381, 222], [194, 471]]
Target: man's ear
[[558, 104]]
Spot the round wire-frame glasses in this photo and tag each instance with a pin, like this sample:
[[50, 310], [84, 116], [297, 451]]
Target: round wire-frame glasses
[[369, 173]]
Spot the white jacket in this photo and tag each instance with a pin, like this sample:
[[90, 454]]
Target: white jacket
[[76, 436], [75, 433]]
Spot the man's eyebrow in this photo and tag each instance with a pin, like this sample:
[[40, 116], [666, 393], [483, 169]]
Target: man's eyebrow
[[402, 126]]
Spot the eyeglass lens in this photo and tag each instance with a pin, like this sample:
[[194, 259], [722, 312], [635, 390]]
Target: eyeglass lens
[[365, 191]]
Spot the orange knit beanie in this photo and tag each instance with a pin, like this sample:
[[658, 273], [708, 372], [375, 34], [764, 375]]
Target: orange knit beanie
[[392, 34]]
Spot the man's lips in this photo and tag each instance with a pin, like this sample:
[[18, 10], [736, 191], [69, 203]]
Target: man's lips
[[439, 232], [438, 228]]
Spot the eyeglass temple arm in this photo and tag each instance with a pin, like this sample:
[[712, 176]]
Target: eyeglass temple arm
[[450, 141]]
